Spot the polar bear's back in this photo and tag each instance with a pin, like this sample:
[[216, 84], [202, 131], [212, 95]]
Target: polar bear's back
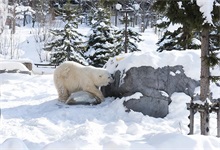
[[66, 67], [70, 69], [69, 72], [72, 64]]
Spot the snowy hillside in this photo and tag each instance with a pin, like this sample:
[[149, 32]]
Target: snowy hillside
[[33, 119]]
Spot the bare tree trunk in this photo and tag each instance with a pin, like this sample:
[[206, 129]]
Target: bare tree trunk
[[11, 46], [116, 18], [13, 19], [205, 73], [126, 32], [24, 19]]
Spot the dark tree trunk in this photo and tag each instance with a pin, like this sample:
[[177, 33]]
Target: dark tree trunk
[[204, 79], [126, 32], [205, 73]]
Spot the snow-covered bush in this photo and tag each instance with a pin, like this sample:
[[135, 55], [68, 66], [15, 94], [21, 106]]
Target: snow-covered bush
[[101, 43]]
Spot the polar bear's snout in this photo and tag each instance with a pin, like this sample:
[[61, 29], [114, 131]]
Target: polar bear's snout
[[111, 79]]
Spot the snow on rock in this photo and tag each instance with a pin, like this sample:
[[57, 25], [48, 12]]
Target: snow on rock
[[12, 66], [188, 59], [172, 73], [136, 95]]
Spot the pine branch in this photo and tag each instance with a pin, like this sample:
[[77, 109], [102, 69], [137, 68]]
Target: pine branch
[[214, 78]]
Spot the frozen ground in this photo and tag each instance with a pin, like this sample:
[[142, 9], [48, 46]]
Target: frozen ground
[[32, 114], [33, 119]]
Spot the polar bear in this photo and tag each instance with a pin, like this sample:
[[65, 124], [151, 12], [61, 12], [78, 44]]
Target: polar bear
[[71, 77]]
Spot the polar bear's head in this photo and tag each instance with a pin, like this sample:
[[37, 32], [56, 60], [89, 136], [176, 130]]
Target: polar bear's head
[[103, 78]]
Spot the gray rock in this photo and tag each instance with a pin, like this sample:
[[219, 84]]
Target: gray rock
[[152, 83], [3, 71], [155, 107], [13, 71], [82, 98], [25, 72]]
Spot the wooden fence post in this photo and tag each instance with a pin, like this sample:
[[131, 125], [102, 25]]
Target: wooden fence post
[[218, 120], [191, 117]]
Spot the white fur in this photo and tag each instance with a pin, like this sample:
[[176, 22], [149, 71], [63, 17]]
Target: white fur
[[71, 77]]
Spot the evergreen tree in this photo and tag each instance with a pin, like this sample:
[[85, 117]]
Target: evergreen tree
[[189, 15], [108, 3], [126, 37], [183, 12], [101, 41], [68, 46], [181, 39], [132, 39]]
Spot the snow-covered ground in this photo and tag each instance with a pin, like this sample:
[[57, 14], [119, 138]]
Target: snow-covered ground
[[33, 119]]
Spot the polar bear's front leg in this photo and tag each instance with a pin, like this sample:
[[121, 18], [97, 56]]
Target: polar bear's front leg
[[95, 92], [63, 94]]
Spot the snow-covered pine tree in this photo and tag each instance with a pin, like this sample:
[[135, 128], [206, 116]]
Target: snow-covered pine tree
[[180, 23], [68, 45], [101, 41], [181, 39], [203, 17], [133, 38]]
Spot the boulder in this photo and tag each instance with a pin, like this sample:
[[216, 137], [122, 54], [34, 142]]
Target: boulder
[[14, 67], [28, 65], [82, 98], [156, 85]]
